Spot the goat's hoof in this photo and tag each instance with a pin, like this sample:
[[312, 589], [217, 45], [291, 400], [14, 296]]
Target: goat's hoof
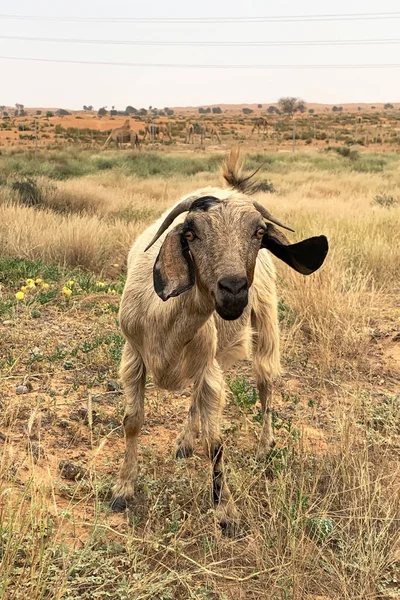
[[266, 451], [184, 452], [119, 504], [229, 529]]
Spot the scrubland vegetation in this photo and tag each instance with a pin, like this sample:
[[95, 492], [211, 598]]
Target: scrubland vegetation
[[321, 514]]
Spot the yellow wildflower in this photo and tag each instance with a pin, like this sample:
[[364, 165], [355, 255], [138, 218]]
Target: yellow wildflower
[[31, 285], [38, 280], [66, 291], [100, 284], [116, 265], [70, 283], [23, 289], [45, 286], [20, 295], [29, 281]]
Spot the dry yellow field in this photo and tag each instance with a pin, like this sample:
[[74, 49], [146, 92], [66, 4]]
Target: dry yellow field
[[321, 515]]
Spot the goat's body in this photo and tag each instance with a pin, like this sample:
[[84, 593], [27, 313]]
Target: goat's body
[[184, 341]]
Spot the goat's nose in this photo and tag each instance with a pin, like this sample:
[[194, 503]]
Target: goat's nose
[[233, 284]]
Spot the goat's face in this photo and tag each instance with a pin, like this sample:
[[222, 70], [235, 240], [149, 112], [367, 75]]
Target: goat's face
[[216, 248], [224, 238]]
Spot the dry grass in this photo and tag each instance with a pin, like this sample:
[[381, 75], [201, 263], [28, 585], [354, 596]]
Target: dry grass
[[327, 524]]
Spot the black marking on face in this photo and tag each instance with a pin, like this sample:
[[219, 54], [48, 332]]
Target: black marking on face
[[204, 204]]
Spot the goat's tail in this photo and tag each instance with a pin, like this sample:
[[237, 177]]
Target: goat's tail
[[233, 174]]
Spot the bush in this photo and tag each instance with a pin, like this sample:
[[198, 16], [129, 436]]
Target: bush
[[387, 106], [49, 113], [385, 201], [259, 105], [217, 110], [28, 191], [247, 111]]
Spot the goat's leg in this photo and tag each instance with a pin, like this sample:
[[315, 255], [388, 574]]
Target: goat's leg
[[266, 367], [210, 395], [187, 438], [133, 374]]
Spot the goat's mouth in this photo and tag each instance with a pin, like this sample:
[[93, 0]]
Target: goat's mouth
[[232, 309]]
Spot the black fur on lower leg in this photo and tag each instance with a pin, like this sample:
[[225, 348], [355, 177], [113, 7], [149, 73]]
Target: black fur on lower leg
[[218, 474]]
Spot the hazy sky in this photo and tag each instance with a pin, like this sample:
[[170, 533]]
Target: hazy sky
[[72, 85]]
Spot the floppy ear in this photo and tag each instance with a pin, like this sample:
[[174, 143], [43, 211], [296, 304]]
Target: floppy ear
[[305, 257], [173, 271]]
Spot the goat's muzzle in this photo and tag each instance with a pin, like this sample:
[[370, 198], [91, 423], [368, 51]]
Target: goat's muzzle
[[232, 296]]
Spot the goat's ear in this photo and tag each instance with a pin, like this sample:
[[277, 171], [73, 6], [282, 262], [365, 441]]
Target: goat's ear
[[173, 271], [305, 257]]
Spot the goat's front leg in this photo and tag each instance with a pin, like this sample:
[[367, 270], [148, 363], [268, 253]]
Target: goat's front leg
[[133, 374], [187, 438], [209, 396]]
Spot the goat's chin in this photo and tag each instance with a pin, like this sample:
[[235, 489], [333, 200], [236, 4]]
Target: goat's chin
[[229, 315]]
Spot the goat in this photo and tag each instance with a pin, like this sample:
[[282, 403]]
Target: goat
[[200, 292]]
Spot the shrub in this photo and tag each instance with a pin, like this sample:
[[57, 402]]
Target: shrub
[[247, 111], [28, 191], [385, 201], [217, 110], [49, 113]]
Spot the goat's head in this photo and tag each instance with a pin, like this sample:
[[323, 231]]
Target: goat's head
[[216, 248]]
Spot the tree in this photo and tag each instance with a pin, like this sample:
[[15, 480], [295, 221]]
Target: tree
[[290, 105], [202, 111], [259, 105], [387, 106], [102, 111], [247, 111], [217, 110], [273, 109], [311, 111], [62, 112], [130, 110], [90, 107]]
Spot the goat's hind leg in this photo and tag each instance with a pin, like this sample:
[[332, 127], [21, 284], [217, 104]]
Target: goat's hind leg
[[133, 374], [266, 367]]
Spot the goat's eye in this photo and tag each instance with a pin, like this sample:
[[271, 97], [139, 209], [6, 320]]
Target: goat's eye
[[189, 235], [260, 232]]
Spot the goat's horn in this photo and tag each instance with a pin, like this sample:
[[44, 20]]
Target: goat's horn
[[170, 218], [267, 215]]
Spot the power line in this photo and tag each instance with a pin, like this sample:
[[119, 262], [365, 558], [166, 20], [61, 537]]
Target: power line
[[201, 43], [201, 66], [206, 20]]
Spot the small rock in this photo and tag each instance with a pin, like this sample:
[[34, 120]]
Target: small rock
[[83, 415], [68, 470], [113, 386], [37, 451], [22, 389]]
